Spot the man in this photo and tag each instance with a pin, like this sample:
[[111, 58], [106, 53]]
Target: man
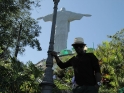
[[86, 68], [73, 78]]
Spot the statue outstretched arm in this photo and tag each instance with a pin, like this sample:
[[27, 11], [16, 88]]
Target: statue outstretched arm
[[46, 18], [87, 15], [77, 16], [39, 18]]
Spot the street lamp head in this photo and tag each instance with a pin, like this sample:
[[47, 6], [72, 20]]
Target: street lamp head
[[56, 1]]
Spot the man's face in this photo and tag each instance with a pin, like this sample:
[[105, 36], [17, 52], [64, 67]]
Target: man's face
[[79, 49]]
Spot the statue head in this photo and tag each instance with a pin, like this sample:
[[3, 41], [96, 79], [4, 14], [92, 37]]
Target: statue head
[[62, 9]]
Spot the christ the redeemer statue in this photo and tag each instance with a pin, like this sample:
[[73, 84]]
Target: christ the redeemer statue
[[62, 26]]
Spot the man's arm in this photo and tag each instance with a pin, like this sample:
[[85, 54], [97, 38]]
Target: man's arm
[[76, 16], [98, 77], [59, 62], [96, 68]]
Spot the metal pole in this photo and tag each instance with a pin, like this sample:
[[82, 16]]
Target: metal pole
[[47, 84]]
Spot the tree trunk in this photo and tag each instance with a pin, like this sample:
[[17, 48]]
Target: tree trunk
[[18, 41]]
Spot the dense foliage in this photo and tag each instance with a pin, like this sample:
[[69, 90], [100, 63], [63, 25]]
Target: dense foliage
[[17, 30]]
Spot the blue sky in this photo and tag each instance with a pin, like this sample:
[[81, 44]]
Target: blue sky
[[107, 18]]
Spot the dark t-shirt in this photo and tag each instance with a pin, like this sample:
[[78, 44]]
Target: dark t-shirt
[[85, 67]]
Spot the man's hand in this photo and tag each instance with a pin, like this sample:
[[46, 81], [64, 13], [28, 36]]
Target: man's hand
[[53, 53]]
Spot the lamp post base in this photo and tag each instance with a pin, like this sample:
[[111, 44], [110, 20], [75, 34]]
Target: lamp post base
[[47, 86], [47, 83]]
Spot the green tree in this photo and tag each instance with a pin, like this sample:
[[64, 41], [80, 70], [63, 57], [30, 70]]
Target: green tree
[[112, 55], [118, 46], [25, 30], [107, 55], [19, 78], [17, 30], [15, 22]]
